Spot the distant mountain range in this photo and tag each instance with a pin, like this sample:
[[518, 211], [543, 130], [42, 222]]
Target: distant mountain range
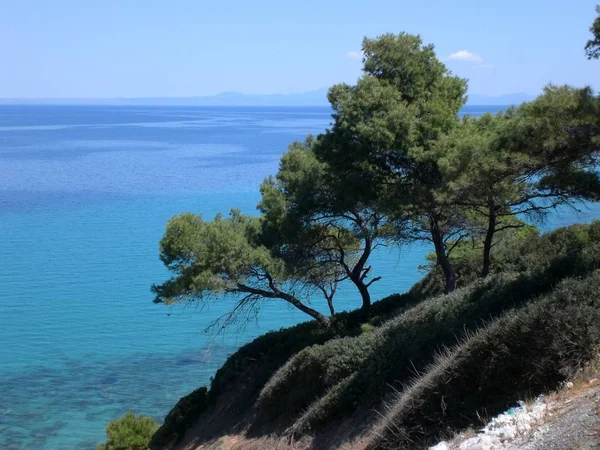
[[311, 98]]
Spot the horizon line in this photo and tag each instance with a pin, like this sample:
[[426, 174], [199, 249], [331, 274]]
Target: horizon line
[[169, 97]]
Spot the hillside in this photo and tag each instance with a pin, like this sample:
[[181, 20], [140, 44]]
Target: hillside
[[426, 366]]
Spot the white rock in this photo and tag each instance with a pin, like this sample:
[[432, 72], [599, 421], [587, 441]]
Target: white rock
[[441, 446], [507, 432], [482, 442], [469, 443]]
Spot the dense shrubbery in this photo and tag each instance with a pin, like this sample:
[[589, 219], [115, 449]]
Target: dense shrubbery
[[358, 370], [527, 351], [409, 342], [564, 251], [250, 368], [269, 352], [307, 375], [311, 372], [130, 432], [180, 418]]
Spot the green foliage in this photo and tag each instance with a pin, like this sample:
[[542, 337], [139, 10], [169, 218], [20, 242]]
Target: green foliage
[[269, 352], [384, 132], [558, 128], [527, 351], [319, 225], [367, 328], [521, 163], [226, 256], [523, 250], [210, 257], [311, 372], [246, 372], [306, 376], [399, 165], [180, 419], [408, 343], [130, 432], [397, 110], [302, 216], [414, 70], [592, 48]]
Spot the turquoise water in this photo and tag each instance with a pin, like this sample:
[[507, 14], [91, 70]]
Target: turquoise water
[[85, 193]]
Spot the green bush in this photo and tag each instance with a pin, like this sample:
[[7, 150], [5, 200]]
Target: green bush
[[246, 372], [523, 251], [409, 342], [527, 351], [181, 418], [367, 328], [467, 260], [309, 373], [307, 376], [130, 432], [271, 350]]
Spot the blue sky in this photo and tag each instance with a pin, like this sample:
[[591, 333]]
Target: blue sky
[[117, 48]]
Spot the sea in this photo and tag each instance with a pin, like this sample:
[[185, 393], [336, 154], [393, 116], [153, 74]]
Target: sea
[[85, 193]]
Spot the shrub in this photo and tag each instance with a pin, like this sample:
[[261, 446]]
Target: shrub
[[409, 342], [180, 418], [467, 260], [308, 375], [247, 371], [367, 328], [528, 351], [130, 432], [523, 251]]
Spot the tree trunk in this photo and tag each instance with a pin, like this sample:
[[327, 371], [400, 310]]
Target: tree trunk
[[325, 321], [487, 243], [366, 297], [276, 293], [359, 274], [442, 256], [330, 304]]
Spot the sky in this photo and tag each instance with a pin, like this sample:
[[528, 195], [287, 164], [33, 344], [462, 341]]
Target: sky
[[180, 48]]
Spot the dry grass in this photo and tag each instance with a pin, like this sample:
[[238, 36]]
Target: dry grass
[[585, 379]]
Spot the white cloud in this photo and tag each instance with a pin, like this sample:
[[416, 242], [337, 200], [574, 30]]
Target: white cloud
[[465, 55], [355, 55]]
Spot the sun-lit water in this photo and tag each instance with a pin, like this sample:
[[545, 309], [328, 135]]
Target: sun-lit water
[[85, 193]]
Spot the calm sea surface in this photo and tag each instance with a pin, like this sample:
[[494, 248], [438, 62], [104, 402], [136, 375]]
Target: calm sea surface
[[85, 193]]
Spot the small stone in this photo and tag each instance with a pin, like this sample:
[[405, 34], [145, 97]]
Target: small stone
[[441, 446], [569, 385], [481, 443], [592, 380], [470, 444]]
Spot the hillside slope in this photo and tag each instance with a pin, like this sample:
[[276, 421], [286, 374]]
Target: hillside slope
[[427, 366]]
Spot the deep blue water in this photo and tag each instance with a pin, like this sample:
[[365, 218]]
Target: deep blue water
[[85, 193]]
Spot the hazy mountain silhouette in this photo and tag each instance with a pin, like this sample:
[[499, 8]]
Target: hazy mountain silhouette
[[311, 98]]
